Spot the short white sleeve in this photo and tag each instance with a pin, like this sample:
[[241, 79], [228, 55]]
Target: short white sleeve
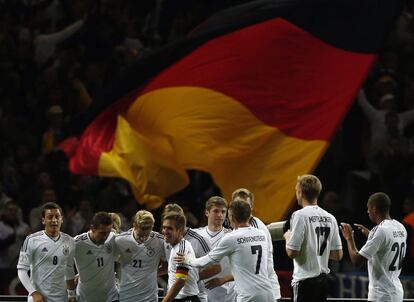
[[375, 240], [297, 226]]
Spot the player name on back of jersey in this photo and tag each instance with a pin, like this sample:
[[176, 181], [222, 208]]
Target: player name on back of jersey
[[248, 239], [320, 219], [397, 234]]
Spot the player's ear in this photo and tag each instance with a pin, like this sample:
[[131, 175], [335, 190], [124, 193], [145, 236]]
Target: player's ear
[[43, 220], [206, 212]]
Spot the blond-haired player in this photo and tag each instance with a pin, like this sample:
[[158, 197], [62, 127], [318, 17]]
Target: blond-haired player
[[139, 251], [312, 240]]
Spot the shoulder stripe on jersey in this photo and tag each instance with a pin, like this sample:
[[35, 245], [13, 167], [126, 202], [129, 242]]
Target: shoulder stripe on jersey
[[253, 223], [373, 232], [159, 236], [123, 234], [181, 247], [26, 241], [81, 237], [200, 239]]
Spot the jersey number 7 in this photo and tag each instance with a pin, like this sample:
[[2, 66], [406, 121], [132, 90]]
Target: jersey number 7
[[257, 249]]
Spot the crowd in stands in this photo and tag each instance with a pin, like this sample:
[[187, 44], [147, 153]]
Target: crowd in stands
[[57, 55]]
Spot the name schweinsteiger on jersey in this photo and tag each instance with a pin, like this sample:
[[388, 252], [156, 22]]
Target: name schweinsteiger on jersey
[[50, 262]]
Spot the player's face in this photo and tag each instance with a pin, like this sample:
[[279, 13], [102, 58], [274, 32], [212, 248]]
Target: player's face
[[52, 221], [171, 233], [298, 194], [370, 211], [216, 216], [100, 233], [140, 234], [231, 219]]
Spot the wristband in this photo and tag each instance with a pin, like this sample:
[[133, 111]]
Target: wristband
[[71, 293]]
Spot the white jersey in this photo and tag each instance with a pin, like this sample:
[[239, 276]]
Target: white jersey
[[247, 249], [183, 271], [139, 264], [258, 224], [201, 247], [314, 234], [96, 267], [50, 263], [226, 291], [385, 251]]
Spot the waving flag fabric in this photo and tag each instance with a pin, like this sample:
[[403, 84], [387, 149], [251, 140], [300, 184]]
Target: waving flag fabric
[[252, 96]]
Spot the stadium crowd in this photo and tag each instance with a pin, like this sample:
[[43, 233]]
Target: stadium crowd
[[57, 55]]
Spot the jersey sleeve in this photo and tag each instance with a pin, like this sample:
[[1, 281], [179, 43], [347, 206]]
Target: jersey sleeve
[[373, 244], [117, 249], [182, 269], [163, 254], [70, 264], [220, 251], [297, 229], [25, 256]]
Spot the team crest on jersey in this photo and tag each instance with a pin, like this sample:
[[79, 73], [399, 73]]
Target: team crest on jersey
[[108, 248], [65, 250], [150, 251]]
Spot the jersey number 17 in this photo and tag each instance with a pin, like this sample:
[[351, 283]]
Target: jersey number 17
[[322, 234]]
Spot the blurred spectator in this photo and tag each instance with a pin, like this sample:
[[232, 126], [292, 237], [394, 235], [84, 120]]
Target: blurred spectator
[[35, 216], [395, 167], [53, 135], [4, 198], [79, 222], [12, 234], [45, 43]]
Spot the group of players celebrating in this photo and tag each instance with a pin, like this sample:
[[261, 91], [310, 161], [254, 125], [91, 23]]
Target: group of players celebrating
[[212, 263]]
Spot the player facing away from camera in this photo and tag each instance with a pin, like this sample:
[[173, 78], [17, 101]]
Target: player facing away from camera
[[247, 196], [214, 231], [95, 261], [313, 239], [48, 255], [139, 251], [384, 250], [247, 249], [182, 279]]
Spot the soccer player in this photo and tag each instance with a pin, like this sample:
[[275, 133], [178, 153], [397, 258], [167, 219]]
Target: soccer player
[[313, 239], [182, 279], [48, 255], [384, 250], [216, 210], [201, 247], [247, 196], [247, 249], [95, 261], [140, 251]]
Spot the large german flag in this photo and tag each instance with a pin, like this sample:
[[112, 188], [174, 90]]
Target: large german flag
[[252, 96]]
